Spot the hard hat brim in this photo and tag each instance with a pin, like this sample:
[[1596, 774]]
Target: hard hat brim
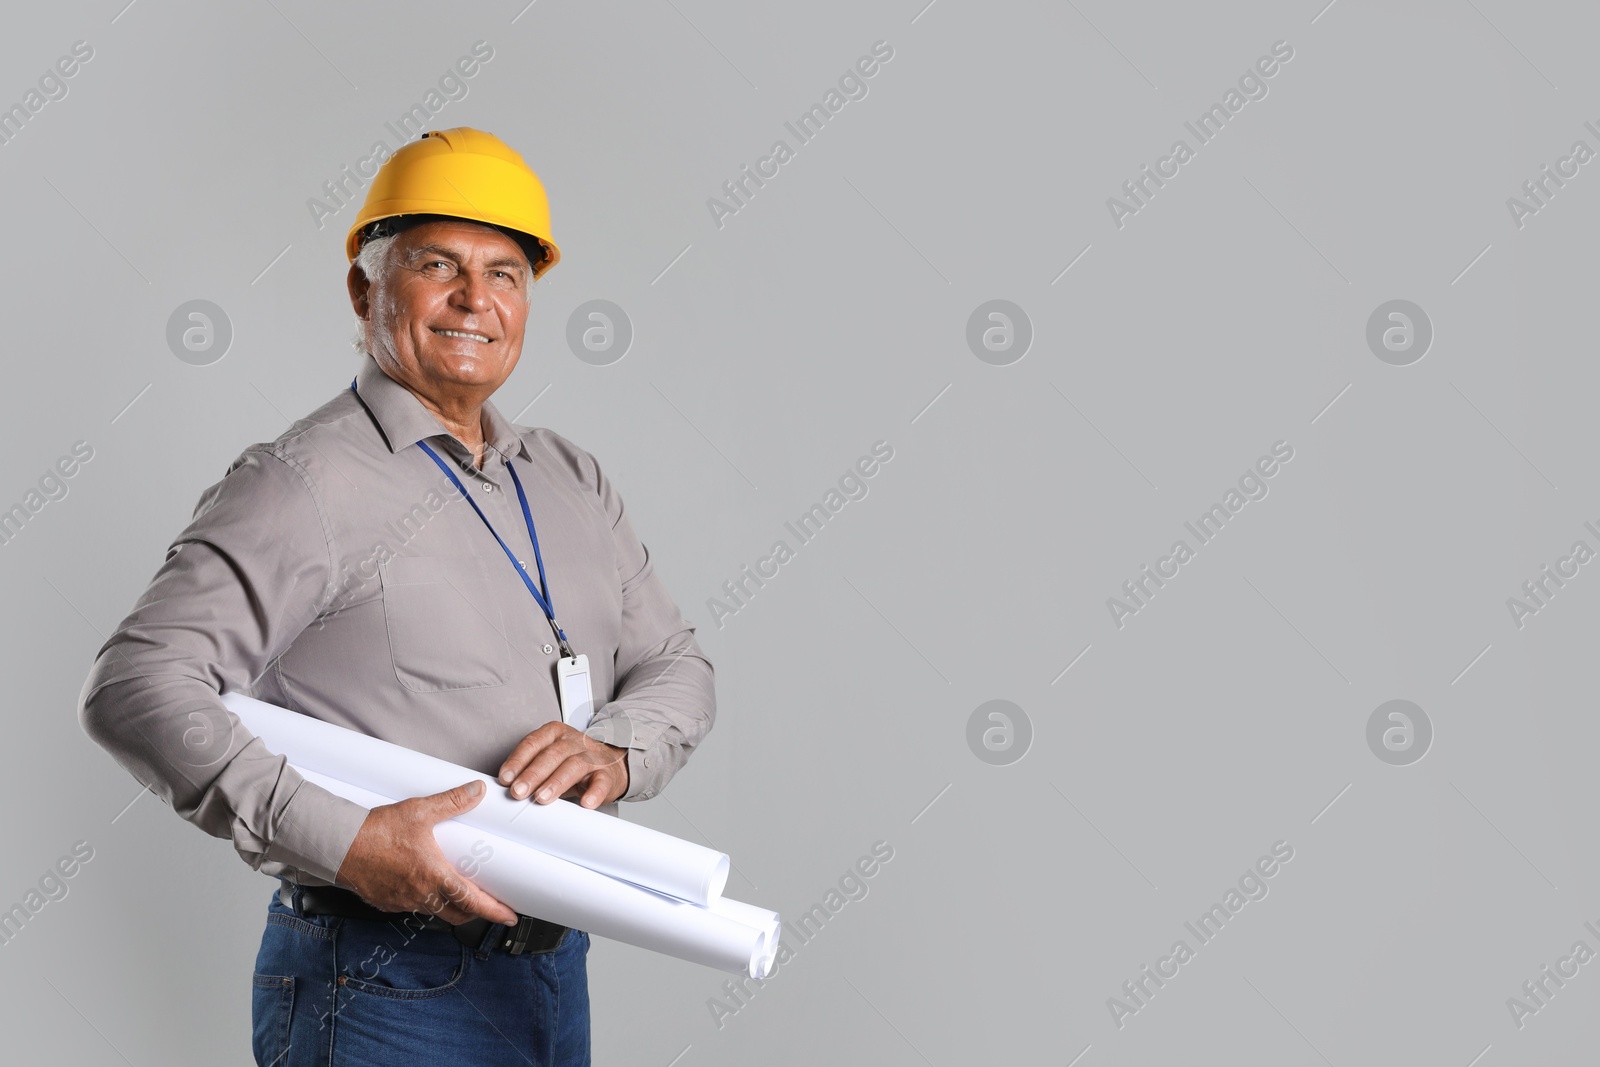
[[539, 261]]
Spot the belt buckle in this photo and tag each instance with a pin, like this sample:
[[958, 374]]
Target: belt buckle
[[516, 942], [533, 934]]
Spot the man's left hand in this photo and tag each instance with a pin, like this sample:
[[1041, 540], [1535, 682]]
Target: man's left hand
[[557, 761]]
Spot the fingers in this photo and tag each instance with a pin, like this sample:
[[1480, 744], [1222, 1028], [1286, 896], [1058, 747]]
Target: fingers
[[452, 898], [450, 803], [603, 785], [458, 899], [562, 744], [455, 899], [445, 903], [555, 757], [610, 780], [396, 864], [528, 748], [598, 767], [465, 901]]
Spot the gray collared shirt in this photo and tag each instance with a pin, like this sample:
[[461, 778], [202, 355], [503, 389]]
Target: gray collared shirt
[[337, 571]]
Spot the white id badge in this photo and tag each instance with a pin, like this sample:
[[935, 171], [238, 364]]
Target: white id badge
[[572, 685]]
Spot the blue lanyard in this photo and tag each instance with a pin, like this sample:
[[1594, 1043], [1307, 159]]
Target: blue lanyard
[[540, 598]]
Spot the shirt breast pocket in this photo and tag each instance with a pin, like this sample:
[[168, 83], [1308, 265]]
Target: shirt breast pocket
[[446, 630]]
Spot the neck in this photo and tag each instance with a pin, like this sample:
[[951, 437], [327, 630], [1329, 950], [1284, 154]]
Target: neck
[[464, 421], [461, 414]]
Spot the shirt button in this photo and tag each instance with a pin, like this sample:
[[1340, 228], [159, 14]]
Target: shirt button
[[488, 487], [548, 649]]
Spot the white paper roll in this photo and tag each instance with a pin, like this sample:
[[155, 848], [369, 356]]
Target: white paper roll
[[565, 830], [758, 918], [544, 886]]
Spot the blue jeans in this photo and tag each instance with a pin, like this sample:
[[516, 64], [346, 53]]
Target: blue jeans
[[336, 992]]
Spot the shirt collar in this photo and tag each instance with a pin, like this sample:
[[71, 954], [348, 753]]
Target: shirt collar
[[404, 421]]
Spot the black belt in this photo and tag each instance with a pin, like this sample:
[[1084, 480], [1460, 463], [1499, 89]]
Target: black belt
[[529, 935]]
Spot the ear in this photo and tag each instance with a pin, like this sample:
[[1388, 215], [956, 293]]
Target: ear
[[358, 285]]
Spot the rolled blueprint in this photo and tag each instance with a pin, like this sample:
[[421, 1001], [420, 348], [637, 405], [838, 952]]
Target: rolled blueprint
[[589, 838], [537, 884], [759, 918]]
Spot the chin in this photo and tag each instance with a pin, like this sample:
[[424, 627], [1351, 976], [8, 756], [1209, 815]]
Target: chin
[[482, 369]]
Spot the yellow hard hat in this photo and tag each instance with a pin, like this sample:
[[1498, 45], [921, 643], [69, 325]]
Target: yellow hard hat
[[466, 174]]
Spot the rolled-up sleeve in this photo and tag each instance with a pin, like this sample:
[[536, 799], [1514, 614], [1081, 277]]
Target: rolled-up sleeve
[[238, 585], [664, 701]]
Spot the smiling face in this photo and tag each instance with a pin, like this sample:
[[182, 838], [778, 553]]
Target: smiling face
[[446, 316]]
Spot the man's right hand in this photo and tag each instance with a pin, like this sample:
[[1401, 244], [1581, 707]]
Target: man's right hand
[[395, 864]]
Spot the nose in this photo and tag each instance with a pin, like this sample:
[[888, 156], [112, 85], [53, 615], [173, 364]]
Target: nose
[[472, 292]]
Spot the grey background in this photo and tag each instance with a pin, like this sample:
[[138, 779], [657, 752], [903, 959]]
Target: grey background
[[829, 313]]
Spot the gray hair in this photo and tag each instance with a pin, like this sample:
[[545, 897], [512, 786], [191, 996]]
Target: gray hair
[[373, 263]]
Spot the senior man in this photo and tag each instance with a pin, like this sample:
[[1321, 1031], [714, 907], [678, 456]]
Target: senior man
[[406, 562]]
